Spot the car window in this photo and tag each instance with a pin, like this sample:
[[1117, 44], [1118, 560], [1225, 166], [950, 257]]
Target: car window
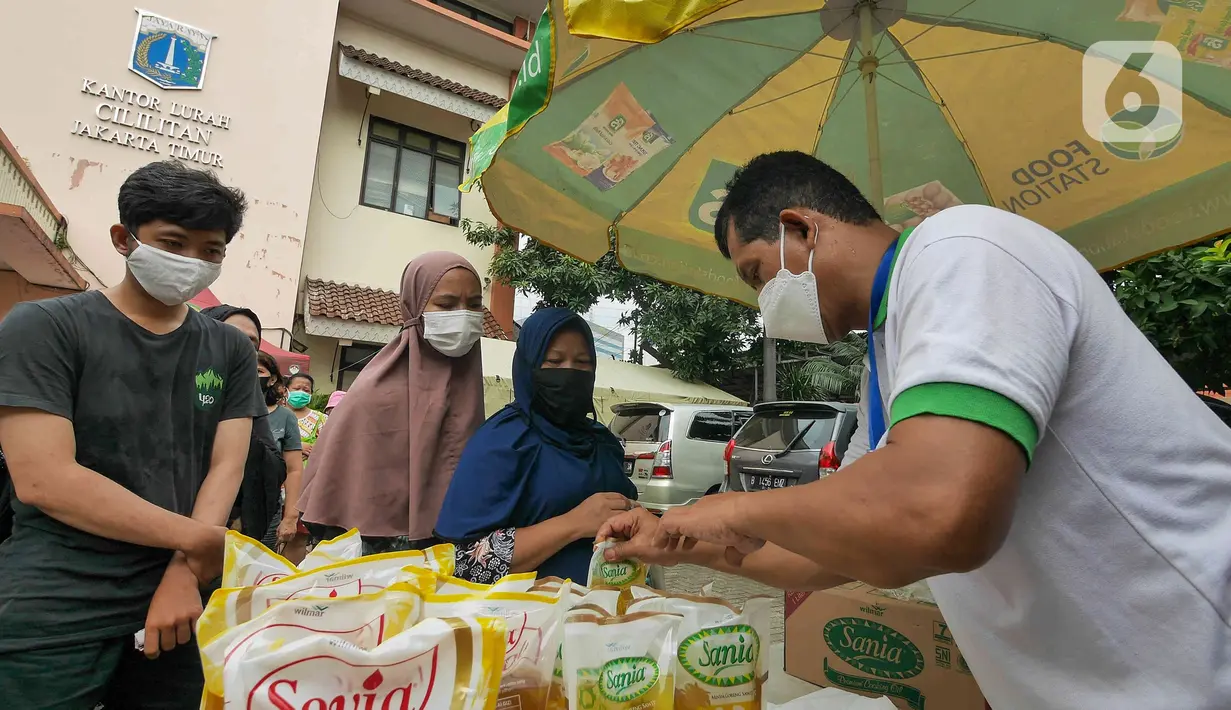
[[712, 426], [772, 431], [641, 426]]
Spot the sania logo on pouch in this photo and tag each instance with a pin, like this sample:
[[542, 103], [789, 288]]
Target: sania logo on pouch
[[295, 687], [617, 574], [873, 648], [626, 679], [725, 656]]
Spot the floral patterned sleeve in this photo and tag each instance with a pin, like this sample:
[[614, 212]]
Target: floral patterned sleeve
[[487, 559]]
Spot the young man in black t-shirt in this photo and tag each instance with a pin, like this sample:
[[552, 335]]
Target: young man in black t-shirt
[[124, 418]]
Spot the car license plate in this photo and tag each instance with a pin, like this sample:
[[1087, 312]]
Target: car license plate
[[628, 467], [766, 483]]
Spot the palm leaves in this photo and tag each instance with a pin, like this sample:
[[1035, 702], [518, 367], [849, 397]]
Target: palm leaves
[[832, 374]]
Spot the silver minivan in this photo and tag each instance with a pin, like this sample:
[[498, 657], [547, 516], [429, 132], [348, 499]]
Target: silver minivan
[[674, 452]]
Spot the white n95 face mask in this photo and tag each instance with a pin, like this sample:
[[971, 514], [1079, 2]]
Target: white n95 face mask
[[171, 278], [453, 333], [789, 305]]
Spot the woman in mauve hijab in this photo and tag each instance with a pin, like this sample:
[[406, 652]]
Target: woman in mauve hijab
[[385, 459], [541, 476]]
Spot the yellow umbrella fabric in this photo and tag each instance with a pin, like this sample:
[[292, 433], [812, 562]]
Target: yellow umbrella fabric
[[629, 118]]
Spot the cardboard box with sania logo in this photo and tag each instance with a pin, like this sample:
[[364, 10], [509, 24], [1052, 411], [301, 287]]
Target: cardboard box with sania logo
[[860, 639]]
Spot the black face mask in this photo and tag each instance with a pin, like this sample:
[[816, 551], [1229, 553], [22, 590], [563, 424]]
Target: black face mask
[[270, 392], [564, 396]]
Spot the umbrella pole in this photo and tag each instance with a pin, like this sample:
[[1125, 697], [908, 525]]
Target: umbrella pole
[[867, 66]]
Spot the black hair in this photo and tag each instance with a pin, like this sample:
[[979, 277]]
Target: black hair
[[223, 313], [304, 375], [772, 182], [173, 192], [269, 363], [275, 390]]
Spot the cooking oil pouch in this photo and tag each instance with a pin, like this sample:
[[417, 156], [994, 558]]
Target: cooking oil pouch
[[621, 662], [343, 548], [553, 583], [230, 607], [535, 633], [605, 598], [247, 563], [621, 574], [550, 585], [636, 593], [557, 697], [365, 621], [719, 657], [439, 664], [515, 583]]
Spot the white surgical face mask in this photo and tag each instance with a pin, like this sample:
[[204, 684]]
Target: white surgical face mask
[[789, 304], [170, 278], [453, 333]]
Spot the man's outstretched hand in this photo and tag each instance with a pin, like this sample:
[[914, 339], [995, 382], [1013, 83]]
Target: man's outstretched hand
[[633, 532], [714, 519]]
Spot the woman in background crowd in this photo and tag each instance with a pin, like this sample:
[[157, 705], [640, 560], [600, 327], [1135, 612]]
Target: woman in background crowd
[[334, 400], [258, 506], [538, 478], [285, 428], [384, 461], [299, 389]]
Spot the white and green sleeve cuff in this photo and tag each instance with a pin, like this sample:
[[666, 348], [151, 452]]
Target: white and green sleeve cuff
[[972, 403]]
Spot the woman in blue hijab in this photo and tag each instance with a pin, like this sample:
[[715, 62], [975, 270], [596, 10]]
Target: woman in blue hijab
[[539, 478]]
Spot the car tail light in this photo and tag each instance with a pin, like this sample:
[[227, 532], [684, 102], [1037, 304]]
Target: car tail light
[[726, 457], [662, 462], [829, 460]]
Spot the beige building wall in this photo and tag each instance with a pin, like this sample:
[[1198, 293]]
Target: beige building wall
[[324, 353], [266, 71], [348, 242]]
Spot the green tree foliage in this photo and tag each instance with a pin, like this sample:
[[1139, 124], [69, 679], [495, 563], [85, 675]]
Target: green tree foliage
[[830, 373], [1180, 300], [694, 334], [319, 401]]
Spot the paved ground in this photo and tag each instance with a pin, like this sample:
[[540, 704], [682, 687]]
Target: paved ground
[[688, 579]]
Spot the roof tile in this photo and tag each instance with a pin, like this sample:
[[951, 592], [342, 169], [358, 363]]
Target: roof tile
[[380, 62], [329, 299]]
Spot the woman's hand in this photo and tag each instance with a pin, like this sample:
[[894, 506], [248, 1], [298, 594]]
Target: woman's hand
[[588, 517], [307, 451], [287, 529]]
